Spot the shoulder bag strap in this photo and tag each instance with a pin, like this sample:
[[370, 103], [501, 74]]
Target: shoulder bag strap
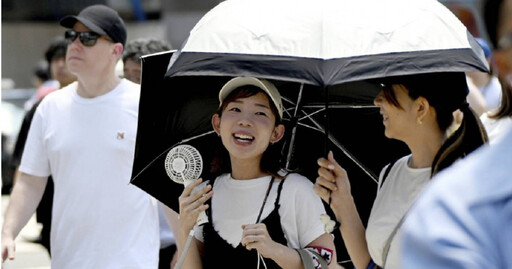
[[385, 252]]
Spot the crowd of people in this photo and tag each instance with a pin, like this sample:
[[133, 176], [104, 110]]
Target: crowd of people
[[448, 204]]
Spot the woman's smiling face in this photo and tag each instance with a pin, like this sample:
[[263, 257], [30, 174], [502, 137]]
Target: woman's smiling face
[[247, 126], [400, 120]]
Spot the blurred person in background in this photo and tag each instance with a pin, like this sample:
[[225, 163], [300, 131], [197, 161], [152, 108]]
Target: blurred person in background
[[52, 73], [41, 73], [84, 137], [56, 57], [498, 21], [42, 82], [132, 71], [488, 83]]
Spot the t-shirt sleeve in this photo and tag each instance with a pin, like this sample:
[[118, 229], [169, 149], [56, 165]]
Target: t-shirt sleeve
[[35, 156], [198, 233], [300, 211]]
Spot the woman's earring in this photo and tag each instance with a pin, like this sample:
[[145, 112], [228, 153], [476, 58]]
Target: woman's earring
[[419, 121]]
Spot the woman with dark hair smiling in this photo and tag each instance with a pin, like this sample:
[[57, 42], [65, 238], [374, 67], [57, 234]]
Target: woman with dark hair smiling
[[417, 110], [256, 209]]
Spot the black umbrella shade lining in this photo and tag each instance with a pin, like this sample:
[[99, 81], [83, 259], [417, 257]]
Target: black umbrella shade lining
[[325, 72]]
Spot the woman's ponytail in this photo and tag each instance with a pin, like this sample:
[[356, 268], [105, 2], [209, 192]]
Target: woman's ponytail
[[469, 136]]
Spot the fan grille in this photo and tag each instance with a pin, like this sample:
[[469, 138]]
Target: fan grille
[[183, 163]]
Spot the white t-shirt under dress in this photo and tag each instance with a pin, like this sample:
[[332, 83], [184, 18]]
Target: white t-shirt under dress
[[237, 202]]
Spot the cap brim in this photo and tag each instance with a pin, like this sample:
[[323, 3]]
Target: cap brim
[[69, 22], [266, 86]]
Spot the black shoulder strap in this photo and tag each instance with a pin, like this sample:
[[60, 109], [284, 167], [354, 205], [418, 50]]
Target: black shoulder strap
[[386, 173], [265, 199], [280, 187]]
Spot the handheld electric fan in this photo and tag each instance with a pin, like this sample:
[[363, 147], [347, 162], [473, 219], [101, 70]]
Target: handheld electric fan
[[183, 165]]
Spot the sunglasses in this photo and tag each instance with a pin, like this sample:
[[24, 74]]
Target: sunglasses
[[88, 39]]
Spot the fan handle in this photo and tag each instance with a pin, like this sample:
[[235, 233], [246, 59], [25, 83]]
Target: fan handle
[[202, 218]]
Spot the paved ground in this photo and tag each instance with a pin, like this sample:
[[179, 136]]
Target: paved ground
[[28, 255]]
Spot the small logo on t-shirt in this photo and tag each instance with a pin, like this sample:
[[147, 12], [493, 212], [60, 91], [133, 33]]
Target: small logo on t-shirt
[[120, 135]]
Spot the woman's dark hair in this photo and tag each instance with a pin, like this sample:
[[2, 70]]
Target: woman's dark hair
[[445, 92], [57, 49], [271, 160], [42, 71]]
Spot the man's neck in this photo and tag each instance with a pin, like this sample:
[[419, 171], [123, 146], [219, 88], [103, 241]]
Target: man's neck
[[94, 86]]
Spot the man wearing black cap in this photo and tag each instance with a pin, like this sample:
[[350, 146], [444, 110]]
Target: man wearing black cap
[[84, 136]]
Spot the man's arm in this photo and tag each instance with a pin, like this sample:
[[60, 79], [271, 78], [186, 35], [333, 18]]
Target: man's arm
[[25, 197]]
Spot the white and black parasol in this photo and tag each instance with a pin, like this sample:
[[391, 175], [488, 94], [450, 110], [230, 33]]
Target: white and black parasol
[[327, 42]]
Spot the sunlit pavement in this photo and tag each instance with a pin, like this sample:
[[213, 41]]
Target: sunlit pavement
[[28, 255]]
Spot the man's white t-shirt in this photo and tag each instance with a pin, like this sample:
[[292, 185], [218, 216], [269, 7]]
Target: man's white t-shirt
[[99, 219], [237, 202], [399, 191]]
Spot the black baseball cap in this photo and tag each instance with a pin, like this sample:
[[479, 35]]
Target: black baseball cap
[[100, 19]]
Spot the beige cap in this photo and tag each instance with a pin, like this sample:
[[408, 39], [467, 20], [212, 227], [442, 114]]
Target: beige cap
[[263, 84]]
